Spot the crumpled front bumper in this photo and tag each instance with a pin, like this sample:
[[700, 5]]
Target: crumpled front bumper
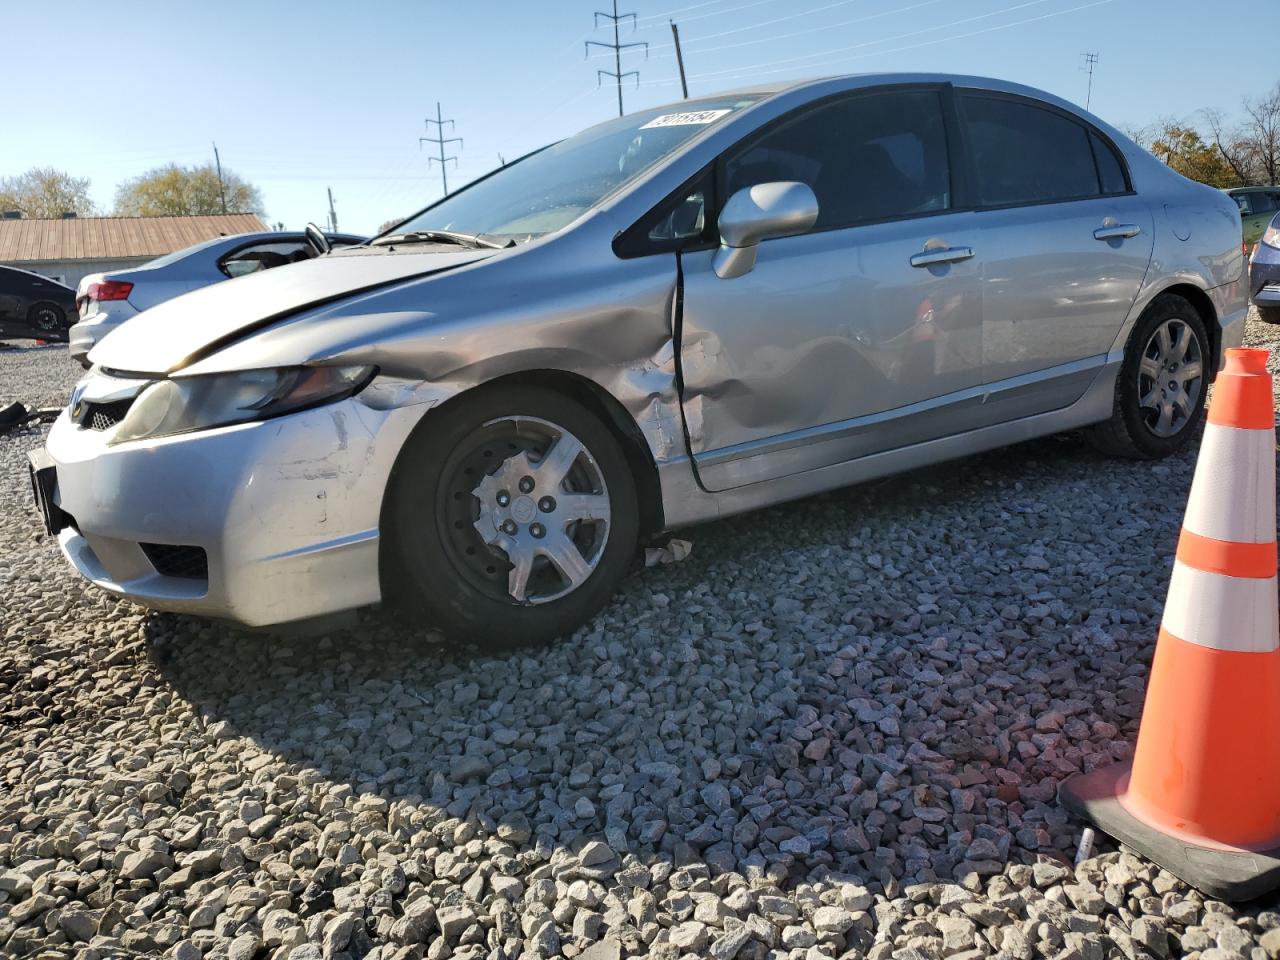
[[286, 511]]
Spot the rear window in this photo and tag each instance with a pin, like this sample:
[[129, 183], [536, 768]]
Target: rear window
[[1022, 153]]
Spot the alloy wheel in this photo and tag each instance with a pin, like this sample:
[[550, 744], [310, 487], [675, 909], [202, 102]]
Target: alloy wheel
[[1170, 378]]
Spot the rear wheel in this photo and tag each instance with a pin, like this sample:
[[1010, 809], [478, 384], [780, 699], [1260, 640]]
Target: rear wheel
[[47, 318], [1160, 391], [511, 518], [1269, 314]]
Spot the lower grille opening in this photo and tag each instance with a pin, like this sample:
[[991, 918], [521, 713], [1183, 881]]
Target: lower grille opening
[[170, 560]]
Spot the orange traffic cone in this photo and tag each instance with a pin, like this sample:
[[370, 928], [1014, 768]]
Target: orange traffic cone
[[1202, 794]]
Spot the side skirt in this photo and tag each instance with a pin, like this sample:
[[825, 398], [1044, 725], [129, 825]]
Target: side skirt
[[685, 502]]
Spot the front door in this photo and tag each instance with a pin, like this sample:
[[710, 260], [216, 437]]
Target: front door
[[862, 335]]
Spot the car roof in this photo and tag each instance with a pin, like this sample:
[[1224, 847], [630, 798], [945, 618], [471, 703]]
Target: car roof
[[1254, 189], [876, 78], [32, 274]]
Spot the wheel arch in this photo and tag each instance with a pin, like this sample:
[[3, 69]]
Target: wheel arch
[[599, 402], [1204, 307]]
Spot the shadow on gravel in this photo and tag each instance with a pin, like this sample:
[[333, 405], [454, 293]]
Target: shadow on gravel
[[887, 682]]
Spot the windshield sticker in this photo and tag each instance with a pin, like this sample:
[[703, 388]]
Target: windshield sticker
[[696, 117]]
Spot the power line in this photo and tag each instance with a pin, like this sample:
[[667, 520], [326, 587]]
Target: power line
[[617, 47], [802, 61], [1090, 59], [440, 140], [758, 70]]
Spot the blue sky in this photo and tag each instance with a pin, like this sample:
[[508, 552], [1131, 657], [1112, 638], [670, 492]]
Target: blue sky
[[304, 96]]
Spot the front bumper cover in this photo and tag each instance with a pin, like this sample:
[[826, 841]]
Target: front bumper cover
[[286, 510]]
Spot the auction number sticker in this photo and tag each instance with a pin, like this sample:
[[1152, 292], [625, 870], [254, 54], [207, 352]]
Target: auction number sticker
[[695, 117]]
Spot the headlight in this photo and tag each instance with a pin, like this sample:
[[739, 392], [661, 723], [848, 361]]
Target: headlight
[[198, 403], [1271, 236]]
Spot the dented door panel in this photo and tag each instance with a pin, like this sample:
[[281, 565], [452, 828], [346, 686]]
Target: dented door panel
[[782, 366]]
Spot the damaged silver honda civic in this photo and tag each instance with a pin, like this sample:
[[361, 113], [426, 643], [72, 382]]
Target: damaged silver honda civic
[[674, 316]]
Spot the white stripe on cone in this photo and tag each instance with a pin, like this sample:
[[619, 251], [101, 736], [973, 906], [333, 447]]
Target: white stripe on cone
[[1233, 493], [1225, 613]]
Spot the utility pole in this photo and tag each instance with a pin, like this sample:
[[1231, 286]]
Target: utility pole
[[222, 187], [675, 35], [333, 216], [1090, 60], [440, 140], [617, 48]]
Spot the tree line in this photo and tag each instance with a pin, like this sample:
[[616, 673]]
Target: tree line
[[1216, 152], [168, 191]]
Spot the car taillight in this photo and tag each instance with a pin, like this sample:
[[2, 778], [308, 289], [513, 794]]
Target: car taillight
[[110, 290]]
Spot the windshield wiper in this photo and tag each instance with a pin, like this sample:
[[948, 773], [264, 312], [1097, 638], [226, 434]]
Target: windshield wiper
[[445, 236]]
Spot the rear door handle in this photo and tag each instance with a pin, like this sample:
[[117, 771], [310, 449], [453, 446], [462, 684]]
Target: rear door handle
[[943, 255], [1117, 231]]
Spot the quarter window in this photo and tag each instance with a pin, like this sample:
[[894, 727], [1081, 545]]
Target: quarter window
[[1026, 154], [1110, 172], [869, 157]]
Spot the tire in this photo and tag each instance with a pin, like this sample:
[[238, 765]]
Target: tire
[[445, 548], [1142, 432], [47, 318], [1269, 314]]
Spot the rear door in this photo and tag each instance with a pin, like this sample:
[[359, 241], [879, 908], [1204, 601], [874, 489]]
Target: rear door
[[1065, 247]]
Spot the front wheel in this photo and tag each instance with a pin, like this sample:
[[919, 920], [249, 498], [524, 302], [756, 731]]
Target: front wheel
[[511, 517], [1160, 391]]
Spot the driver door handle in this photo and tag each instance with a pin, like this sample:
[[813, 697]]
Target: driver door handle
[[1117, 231], [930, 258]]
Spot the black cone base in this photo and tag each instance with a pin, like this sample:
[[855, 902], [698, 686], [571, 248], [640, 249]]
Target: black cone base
[[1223, 875]]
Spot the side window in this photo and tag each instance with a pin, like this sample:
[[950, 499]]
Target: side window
[[1263, 202], [1022, 153], [1110, 170], [263, 256], [868, 157]]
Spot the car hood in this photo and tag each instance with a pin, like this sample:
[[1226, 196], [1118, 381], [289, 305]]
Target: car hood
[[178, 331]]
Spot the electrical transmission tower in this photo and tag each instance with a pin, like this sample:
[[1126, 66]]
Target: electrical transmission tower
[[617, 48], [1090, 60], [440, 140]]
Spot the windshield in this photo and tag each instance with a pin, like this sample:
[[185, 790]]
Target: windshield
[[549, 189]]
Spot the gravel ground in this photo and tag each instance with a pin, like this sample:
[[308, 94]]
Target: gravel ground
[[836, 730]]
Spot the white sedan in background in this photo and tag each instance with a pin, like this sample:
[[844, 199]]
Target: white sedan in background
[[106, 300]]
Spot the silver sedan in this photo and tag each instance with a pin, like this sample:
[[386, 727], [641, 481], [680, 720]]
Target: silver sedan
[[677, 315], [106, 300]]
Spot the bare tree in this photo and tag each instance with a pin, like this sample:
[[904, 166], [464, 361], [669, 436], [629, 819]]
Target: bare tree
[[1229, 144], [1260, 134], [1142, 136]]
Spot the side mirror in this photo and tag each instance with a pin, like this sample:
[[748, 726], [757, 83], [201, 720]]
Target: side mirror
[[767, 210]]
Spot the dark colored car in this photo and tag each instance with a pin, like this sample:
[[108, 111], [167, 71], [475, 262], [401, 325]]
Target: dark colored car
[[34, 307], [1264, 273]]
